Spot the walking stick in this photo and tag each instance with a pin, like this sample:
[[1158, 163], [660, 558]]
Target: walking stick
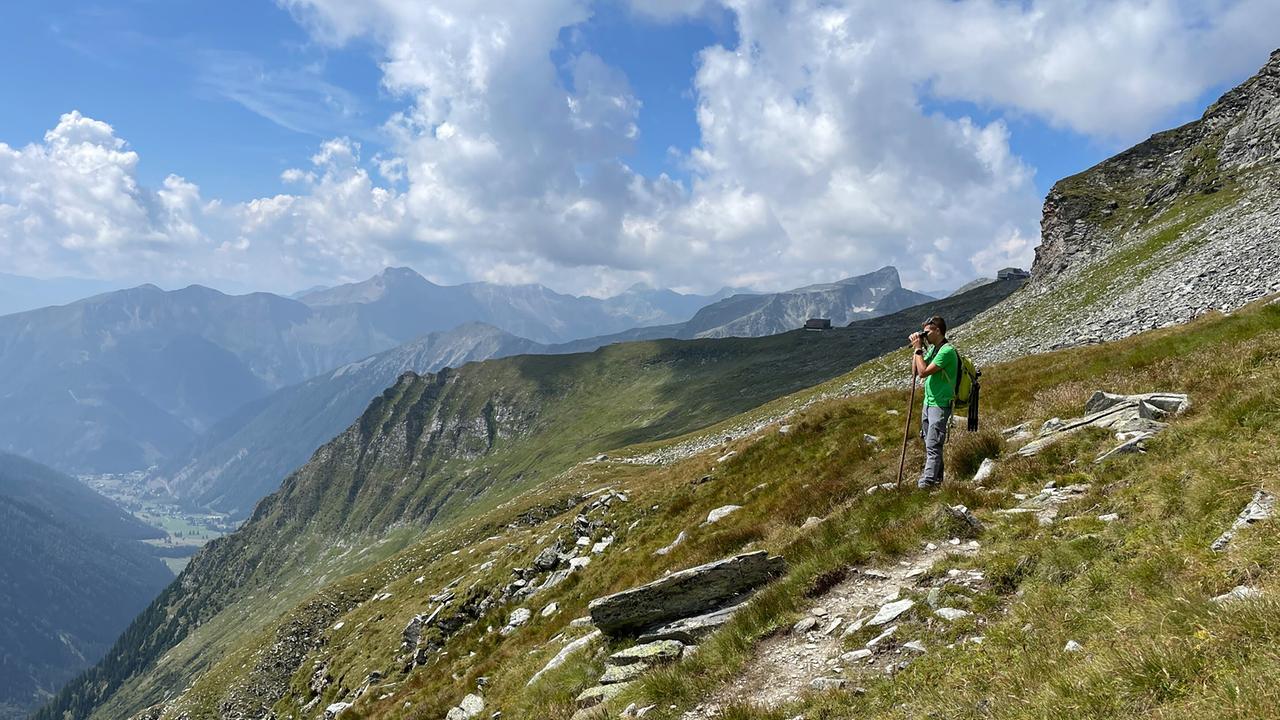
[[906, 432]]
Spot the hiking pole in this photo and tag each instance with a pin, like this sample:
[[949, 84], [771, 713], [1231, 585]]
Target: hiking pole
[[906, 432]]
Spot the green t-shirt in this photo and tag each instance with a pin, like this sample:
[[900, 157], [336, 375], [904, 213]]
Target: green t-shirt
[[941, 386]]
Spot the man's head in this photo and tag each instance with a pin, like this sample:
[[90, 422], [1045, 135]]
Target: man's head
[[935, 328]]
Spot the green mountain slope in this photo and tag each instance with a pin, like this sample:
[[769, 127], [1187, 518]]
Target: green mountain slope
[[71, 577], [1123, 569], [437, 447]]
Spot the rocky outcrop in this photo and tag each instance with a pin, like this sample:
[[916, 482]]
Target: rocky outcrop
[[1134, 418], [684, 594], [1240, 131]]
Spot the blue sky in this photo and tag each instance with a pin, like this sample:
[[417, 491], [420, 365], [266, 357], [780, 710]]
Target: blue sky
[[228, 96]]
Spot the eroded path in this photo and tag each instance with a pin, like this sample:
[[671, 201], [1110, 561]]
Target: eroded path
[[815, 655]]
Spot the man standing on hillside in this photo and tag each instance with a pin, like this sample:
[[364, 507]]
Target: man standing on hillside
[[938, 368]]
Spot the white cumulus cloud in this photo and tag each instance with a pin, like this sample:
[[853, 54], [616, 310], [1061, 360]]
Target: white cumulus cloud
[[820, 150]]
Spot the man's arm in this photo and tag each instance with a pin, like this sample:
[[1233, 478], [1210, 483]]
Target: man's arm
[[923, 370]]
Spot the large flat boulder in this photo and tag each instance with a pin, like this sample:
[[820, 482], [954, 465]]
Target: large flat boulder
[[684, 594]]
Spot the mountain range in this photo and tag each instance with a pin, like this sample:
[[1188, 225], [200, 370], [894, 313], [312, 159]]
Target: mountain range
[[245, 457], [134, 378]]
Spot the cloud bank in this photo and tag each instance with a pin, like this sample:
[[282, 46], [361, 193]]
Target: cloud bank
[[820, 150]]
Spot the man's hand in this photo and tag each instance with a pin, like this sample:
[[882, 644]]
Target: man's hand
[[916, 341]]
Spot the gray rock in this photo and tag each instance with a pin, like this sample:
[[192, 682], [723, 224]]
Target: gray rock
[[547, 560], [692, 630], [622, 673], [805, 625], [1137, 445], [890, 612], [987, 467], [651, 652], [1239, 592], [956, 520], [683, 594], [951, 614], [855, 656], [877, 640], [1101, 400], [826, 683], [564, 654], [594, 696], [721, 513], [1072, 647], [335, 710], [1261, 507], [664, 550]]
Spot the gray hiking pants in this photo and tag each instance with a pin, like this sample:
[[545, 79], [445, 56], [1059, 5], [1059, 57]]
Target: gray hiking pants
[[934, 422]]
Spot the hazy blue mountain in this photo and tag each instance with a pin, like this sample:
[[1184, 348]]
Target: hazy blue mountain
[[755, 315], [399, 298], [246, 456], [127, 379], [19, 293], [72, 576]]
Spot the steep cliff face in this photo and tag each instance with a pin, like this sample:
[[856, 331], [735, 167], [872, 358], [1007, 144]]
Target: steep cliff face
[[1084, 214]]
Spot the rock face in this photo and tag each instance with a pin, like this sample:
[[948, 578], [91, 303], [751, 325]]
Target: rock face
[[684, 594], [1240, 131]]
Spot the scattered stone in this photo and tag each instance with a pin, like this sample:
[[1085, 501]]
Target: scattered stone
[[518, 618], [951, 614], [871, 644], [1072, 647], [1052, 425], [854, 656], [664, 550], [594, 696], [805, 625], [1017, 432], [686, 593], [622, 673], [810, 522], [691, 630], [882, 486], [579, 562], [547, 560], [564, 654], [870, 439], [648, 653], [915, 646], [1239, 592], [602, 545], [1137, 444], [826, 683], [987, 467], [1109, 517], [726, 456], [721, 513], [550, 610], [784, 429], [958, 521], [470, 706], [1261, 507], [890, 612], [335, 710], [818, 612]]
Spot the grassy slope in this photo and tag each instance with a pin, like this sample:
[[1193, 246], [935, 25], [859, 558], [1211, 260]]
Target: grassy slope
[[1134, 593], [393, 470]]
